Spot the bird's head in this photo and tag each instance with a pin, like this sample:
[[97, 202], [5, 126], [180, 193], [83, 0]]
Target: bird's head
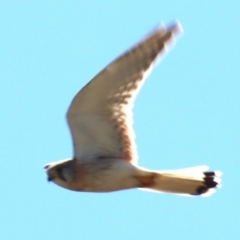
[[59, 172]]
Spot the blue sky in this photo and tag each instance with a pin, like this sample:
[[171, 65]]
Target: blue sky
[[187, 114]]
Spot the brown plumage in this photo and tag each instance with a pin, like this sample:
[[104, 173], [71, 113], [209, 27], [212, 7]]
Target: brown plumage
[[100, 120]]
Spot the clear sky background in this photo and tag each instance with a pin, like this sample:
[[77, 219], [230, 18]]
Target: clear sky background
[[187, 114]]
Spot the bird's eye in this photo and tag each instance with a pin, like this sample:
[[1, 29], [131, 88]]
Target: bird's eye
[[60, 174]]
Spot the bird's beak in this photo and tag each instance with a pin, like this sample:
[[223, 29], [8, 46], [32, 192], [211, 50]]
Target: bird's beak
[[46, 166]]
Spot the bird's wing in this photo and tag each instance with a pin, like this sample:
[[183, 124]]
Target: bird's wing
[[100, 115]]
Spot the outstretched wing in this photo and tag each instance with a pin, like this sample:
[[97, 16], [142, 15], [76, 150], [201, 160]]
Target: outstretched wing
[[100, 115]]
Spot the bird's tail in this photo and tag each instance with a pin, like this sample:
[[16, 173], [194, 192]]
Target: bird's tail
[[189, 181]]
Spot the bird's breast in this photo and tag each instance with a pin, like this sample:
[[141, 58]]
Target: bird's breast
[[103, 175]]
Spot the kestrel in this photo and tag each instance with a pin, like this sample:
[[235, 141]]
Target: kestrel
[[100, 120]]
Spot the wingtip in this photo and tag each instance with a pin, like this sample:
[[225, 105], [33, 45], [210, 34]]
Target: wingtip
[[175, 27]]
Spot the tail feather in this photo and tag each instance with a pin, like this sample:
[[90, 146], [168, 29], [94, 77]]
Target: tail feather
[[189, 181]]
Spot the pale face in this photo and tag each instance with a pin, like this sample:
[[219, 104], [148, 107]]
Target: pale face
[[60, 172]]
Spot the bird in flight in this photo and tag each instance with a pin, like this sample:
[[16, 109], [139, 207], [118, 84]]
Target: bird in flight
[[100, 121]]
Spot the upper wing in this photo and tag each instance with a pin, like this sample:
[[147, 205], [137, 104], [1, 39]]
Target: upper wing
[[100, 115]]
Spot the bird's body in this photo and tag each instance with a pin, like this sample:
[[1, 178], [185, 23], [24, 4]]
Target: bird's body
[[101, 176], [100, 119]]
